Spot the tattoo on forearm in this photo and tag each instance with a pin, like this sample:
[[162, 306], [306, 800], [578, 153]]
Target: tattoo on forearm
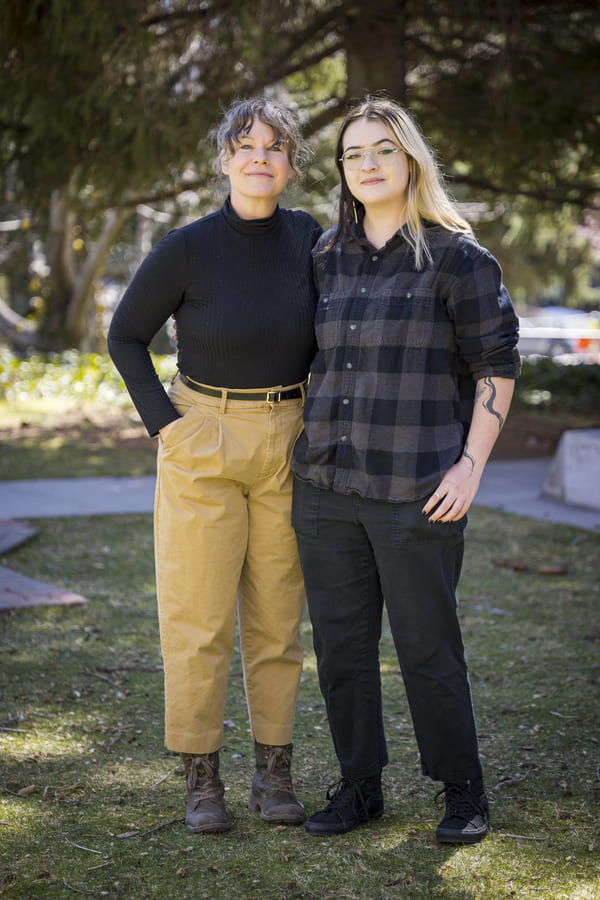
[[486, 393], [468, 457]]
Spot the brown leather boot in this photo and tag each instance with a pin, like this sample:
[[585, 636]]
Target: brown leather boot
[[205, 806], [272, 792]]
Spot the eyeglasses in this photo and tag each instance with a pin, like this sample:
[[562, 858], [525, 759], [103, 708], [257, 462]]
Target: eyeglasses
[[382, 156]]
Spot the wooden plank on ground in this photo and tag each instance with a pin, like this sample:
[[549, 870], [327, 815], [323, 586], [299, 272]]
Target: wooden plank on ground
[[18, 591]]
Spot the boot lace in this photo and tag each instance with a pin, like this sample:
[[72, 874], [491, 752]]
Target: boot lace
[[278, 769], [460, 802], [346, 795], [202, 778]]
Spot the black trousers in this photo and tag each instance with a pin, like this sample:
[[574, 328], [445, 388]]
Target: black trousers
[[357, 554]]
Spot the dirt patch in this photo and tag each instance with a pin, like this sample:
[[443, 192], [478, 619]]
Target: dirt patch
[[527, 436], [90, 429], [524, 436]]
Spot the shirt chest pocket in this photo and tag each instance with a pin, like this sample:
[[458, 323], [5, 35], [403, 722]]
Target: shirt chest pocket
[[328, 320], [404, 319]]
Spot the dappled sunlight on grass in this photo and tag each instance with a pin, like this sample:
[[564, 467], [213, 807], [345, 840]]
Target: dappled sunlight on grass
[[81, 719]]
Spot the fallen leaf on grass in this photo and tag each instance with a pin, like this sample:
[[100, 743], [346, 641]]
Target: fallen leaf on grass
[[517, 566], [510, 564], [25, 791]]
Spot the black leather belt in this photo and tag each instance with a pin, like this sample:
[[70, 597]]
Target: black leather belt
[[265, 396]]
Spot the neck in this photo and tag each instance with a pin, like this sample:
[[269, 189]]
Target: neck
[[382, 223], [253, 207]]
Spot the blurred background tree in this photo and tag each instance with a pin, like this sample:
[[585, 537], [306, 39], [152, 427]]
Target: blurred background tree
[[106, 109]]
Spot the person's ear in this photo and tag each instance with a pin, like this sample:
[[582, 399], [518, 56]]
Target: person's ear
[[224, 160]]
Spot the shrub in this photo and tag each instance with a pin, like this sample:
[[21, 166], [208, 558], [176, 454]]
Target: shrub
[[554, 387], [70, 375]]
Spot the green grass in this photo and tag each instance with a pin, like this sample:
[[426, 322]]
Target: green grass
[[69, 415], [91, 803], [76, 444]]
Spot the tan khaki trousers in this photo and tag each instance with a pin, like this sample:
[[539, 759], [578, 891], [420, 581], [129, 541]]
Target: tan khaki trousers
[[224, 542]]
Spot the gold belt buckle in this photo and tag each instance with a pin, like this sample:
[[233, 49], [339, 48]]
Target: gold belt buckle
[[273, 396]]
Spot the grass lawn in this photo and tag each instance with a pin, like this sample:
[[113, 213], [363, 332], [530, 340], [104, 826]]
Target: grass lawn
[[91, 803]]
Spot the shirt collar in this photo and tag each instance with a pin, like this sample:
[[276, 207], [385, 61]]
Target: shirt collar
[[358, 237], [250, 226]]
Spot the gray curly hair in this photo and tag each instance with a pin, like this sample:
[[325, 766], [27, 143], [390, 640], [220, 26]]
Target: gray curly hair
[[239, 118]]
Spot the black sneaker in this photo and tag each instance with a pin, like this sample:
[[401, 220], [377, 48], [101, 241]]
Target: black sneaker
[[352, 803], [467, 817]]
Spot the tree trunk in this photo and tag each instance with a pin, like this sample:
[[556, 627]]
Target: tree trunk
[[80, 320], [375, 58], [22, 334], [61, 268]]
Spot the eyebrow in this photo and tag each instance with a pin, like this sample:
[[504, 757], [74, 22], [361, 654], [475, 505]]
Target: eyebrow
[[376, 144], [250, 137]]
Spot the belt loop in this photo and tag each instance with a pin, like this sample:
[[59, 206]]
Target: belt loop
[[223, 401], [303, 392]]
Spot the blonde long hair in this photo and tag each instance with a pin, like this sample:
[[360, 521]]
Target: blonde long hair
[[426, 196]]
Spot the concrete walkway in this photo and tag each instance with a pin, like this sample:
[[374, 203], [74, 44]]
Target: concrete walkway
[[514, 487], [45, 498]]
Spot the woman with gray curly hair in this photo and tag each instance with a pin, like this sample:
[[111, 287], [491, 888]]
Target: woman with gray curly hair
[[239, 285]]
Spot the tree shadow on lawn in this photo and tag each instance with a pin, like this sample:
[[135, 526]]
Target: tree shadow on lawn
[[83, 759]]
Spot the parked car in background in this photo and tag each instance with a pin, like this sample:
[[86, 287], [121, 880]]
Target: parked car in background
[[558, 331]]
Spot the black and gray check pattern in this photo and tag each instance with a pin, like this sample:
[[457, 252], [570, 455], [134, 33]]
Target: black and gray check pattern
[[399, 353]]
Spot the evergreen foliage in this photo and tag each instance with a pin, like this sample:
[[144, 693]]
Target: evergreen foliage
[[106, 106]]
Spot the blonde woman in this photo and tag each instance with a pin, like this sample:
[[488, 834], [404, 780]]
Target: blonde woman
[[239, 283], [409, 389]]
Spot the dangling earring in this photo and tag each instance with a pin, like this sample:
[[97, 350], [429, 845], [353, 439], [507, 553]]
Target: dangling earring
[[354, 210]]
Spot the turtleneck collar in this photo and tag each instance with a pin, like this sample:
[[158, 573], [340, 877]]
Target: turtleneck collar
[[255, 227]]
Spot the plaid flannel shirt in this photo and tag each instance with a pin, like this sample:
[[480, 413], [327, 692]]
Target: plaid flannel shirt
[[391, 388]]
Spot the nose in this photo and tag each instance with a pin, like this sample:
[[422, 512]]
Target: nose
[[370, 155], [260, 154]]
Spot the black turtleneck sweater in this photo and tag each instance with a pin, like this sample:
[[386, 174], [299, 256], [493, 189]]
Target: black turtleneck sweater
[[242, 294]]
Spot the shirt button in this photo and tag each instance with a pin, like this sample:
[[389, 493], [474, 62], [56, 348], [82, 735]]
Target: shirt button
[[363, 290], [408, 295], [375, 258], [325, 299], [343, 438], [353, 327], [345, 401], [348, 365]]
